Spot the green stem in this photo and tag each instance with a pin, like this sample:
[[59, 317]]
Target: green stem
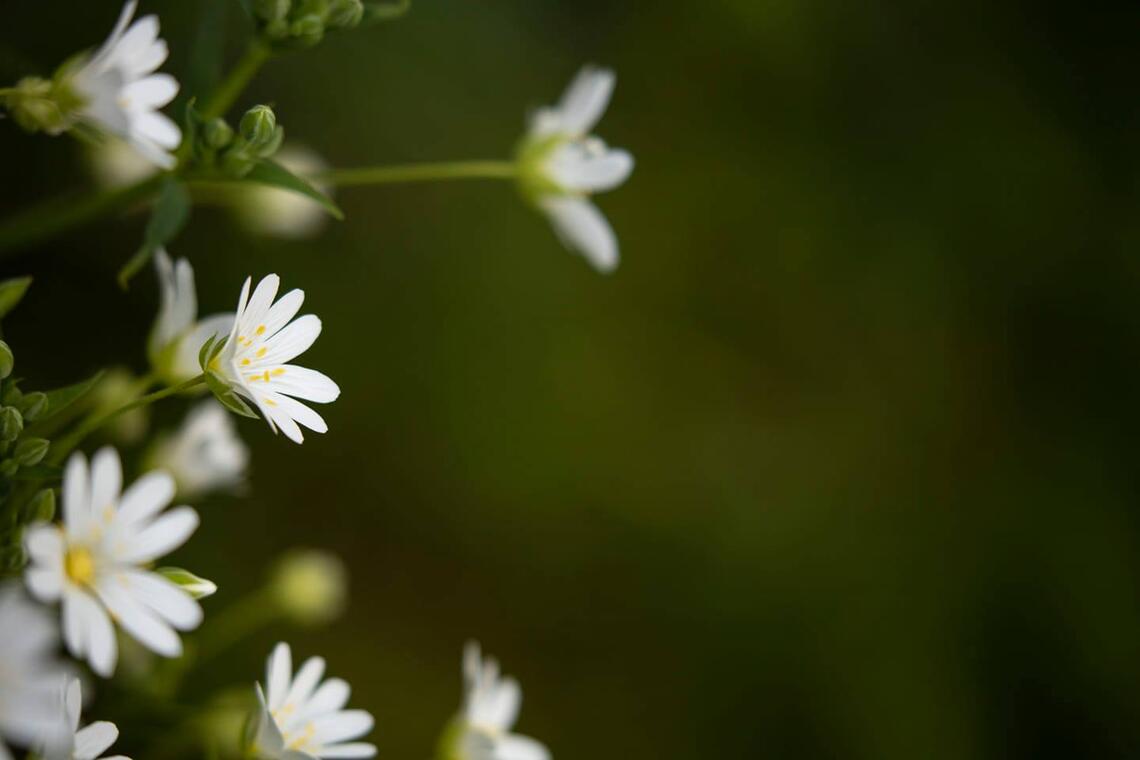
[[384, 175], [62, 447], [235, 82], [58, 215]]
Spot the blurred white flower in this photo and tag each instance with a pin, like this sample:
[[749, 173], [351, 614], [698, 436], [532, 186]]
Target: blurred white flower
[[89, 742], [114, 163], [562, 164], [120, 92], [264, 337], [266, 210], [30, 674], [95, 562], [490, 707], [302, 718], [178, 335], [310, 586], [205, 454]]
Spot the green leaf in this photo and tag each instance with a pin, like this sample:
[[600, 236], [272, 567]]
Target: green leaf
[[377, 12], [225, 394], [170, 213], [271, 173], [40, 472], [193, 585], [11, 291], [61, 398]]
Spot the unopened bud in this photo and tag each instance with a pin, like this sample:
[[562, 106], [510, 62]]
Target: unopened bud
[[345, 14], [11, 424], [271, 10], [308, 30], [217, 134], [188, 582], [30, 451], [310, 586], [42, 507], [7, 360], [258, 126], [32, 405]]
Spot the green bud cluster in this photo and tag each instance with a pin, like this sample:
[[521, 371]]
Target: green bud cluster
[[45, 105], [234, 153], [303, 23]]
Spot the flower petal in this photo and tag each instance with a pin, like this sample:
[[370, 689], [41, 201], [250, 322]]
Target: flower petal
[[582, 227], [145, 498], [76, 494], [92, 740], [347, 724], [355, 749], [144, 625], [304, 383], [279, 673], [162, 536], [586, 99], [164, 598]]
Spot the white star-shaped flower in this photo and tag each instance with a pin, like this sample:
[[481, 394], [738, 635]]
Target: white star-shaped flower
[[490, 707], [96, 561], [302, 718], [84, 743], [30, 674], [254, 361], [563, 164], [178, 335], [205, 454], [120, 92]]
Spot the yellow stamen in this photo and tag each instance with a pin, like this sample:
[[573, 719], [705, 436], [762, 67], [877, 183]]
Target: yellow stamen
[[79, 565], [260, 330], [261, 352]]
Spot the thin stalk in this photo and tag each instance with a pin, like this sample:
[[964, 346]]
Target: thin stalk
[[63, 446], [58, 215], [386, 175], [236, 81]]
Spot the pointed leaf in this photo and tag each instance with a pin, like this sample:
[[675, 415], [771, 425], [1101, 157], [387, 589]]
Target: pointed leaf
[[11, 291], [271, 173], [376, 12], [61, 398], [170, 213], [225, 394]]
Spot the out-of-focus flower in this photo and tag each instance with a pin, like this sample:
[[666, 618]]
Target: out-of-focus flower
[[121, 94], [254, 360], [205, 454], [89, 742], [303, 718], [114, 163], [178, 335], [562, 164], [30, 674], [95, 562], [490, 707], [266, 210], [116, 388], [310, 586]]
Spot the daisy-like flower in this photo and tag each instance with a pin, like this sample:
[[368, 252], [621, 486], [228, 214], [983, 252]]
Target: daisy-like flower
[[254, 359], [120, 93], [84, 743], [562, 164], [178, 335], [266, 210], [30, 674], [302, 718], [95, 562], [490, 707], [205, 454]]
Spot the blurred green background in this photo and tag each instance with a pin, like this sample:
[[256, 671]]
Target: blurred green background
[[840, 463]]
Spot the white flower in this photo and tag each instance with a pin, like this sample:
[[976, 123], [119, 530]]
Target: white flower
[[177, 335], [562, 164], [301, 718], [114, 163], [95, 562], [205, 454], [30, 674], [89, 742], [266, 210], [264, 337], [121, 94], [490, 707]]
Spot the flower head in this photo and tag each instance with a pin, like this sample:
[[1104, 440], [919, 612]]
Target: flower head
[[562, 164], [205, 454], [95, 561], [271, 211], [178, 335], [120, 93], [490, 707], [89, 742], [254, 359], [302, 718], [310, 586], [30, 674]]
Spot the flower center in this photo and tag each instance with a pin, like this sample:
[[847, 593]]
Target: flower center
[[79, 565]]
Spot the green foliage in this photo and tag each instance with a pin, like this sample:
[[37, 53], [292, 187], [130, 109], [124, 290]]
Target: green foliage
[[270, 173], [169, 216], [61, 398], [12, 292]]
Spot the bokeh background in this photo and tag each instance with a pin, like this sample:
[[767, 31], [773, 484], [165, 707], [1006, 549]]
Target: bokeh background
[[840, 463]]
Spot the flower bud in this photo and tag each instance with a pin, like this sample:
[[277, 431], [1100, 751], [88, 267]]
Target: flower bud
[[310, 586], [344, 14], [8, 467], [7, 360], [42, 507], [31, 451], [32, 405], [258, 126], [307, 30], [11, 395], [217, 134], [35, 104], [271, 10], [188, 582], [11, 424]]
